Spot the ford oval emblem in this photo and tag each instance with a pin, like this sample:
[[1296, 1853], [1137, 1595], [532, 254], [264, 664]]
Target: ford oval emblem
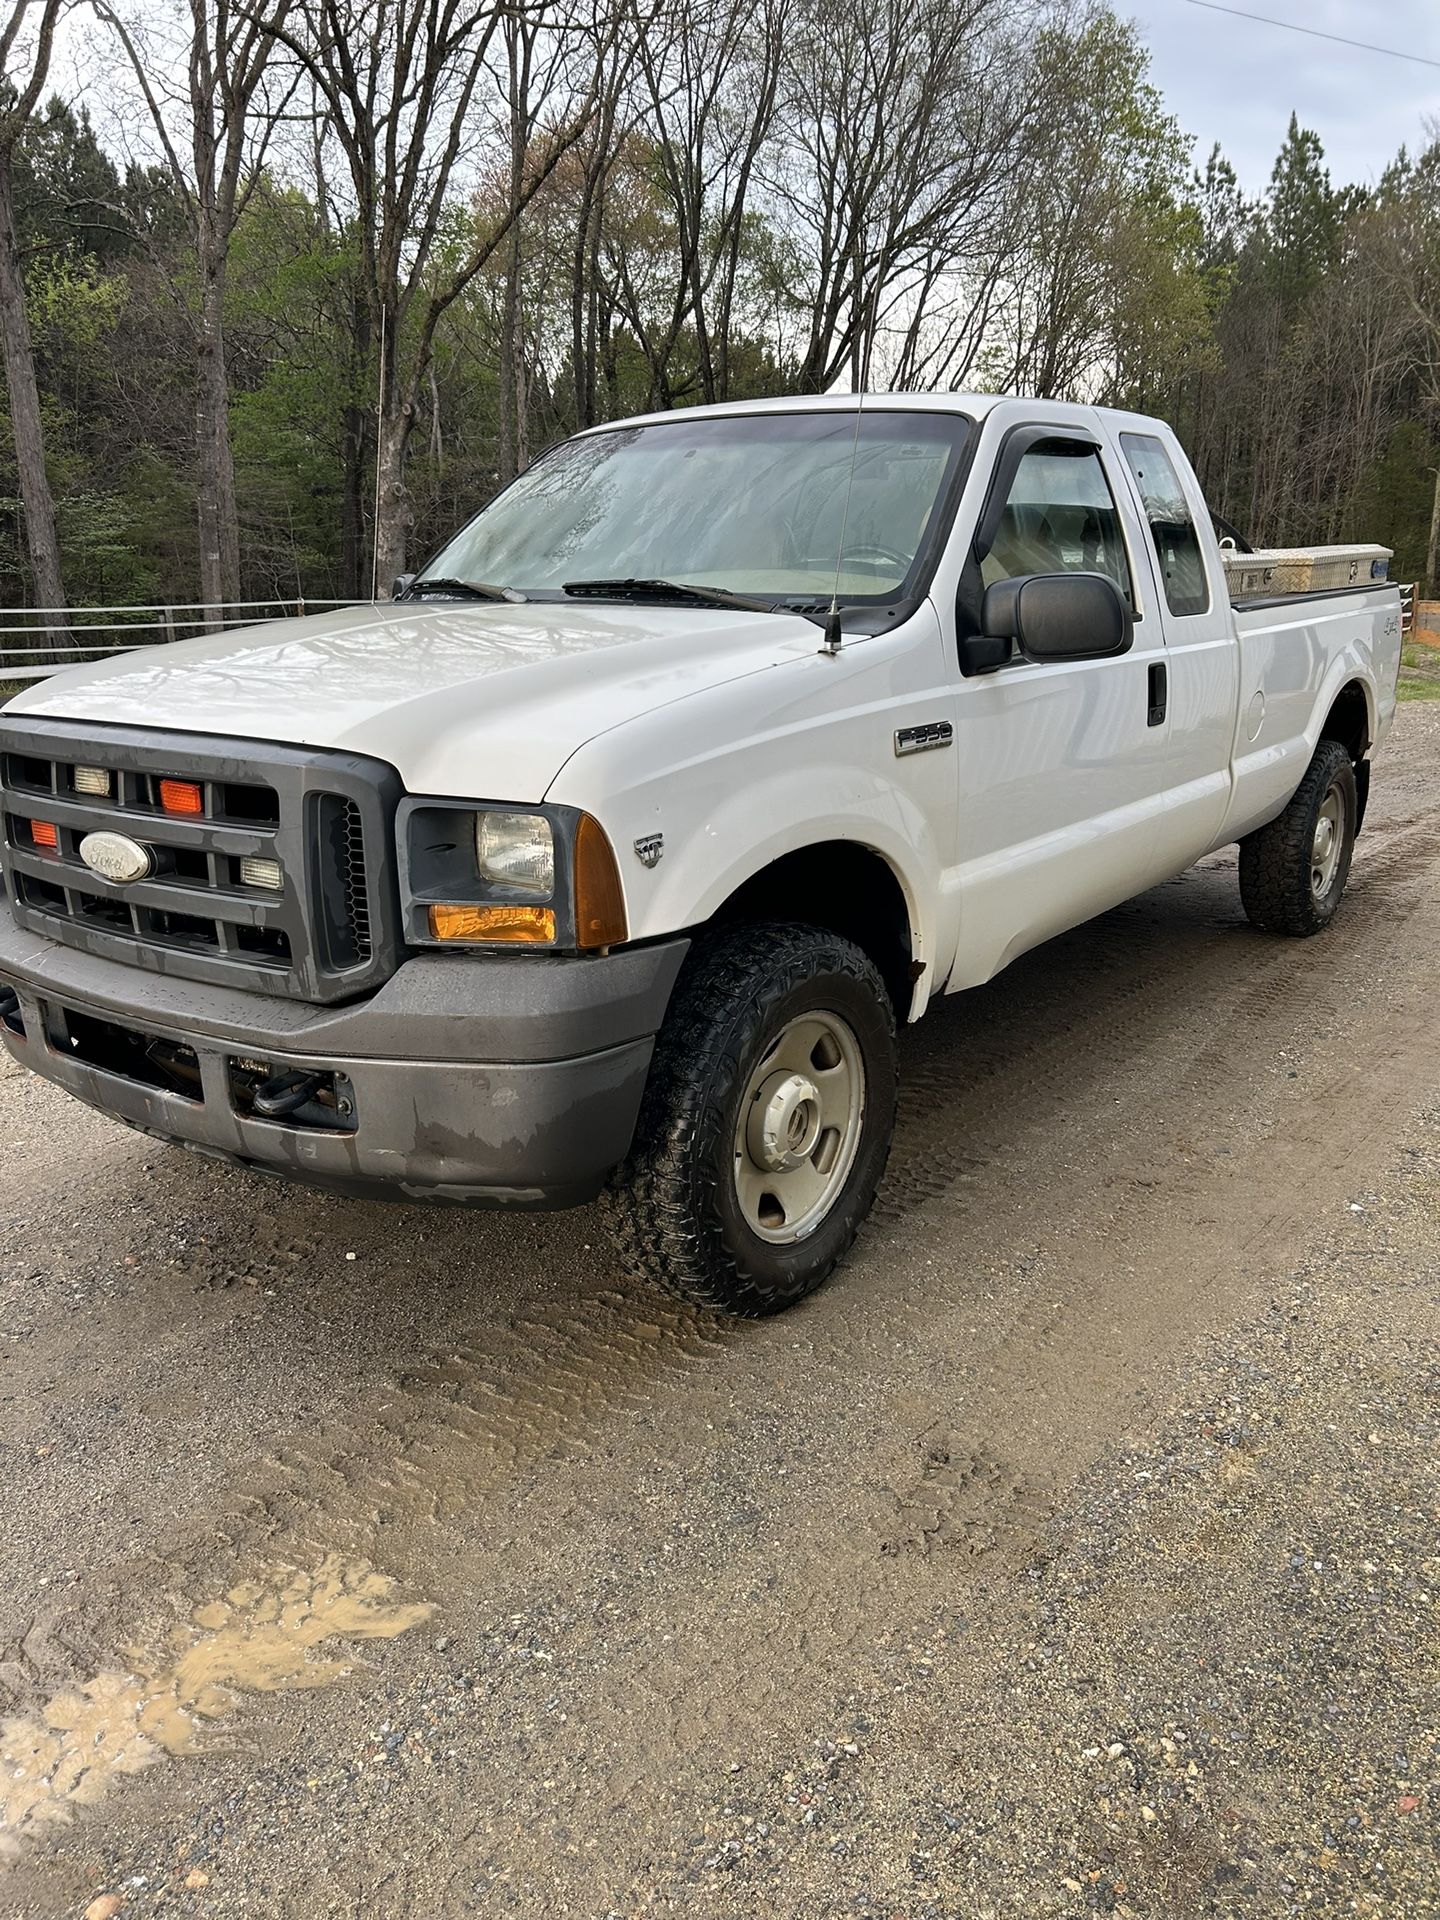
[[115, 857]]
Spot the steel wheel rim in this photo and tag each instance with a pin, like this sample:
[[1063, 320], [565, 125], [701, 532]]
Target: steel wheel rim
[[1328, 839], [798, 1128]]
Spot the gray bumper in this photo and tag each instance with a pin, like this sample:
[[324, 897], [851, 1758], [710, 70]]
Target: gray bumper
[[484, 1079]]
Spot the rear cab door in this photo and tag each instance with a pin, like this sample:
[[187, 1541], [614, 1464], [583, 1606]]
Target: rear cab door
[[1201, 657]]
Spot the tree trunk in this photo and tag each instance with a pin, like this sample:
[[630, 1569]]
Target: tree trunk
[[357, 471], [395, 508], [354, 575], [218, 517], [41, 541], [512, 372]]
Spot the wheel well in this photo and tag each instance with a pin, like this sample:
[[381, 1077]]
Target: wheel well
[[1348, 721], [846, 888]]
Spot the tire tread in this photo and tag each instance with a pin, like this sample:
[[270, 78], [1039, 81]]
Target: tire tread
[[1275, 861], [661, 1202]]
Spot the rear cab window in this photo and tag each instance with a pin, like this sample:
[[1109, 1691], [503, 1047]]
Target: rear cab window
[[1172, 525]]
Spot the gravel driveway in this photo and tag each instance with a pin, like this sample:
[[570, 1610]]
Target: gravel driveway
[[1074, 1551]]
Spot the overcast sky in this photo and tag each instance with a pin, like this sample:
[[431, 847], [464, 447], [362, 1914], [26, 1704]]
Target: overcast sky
[[1236, 81]]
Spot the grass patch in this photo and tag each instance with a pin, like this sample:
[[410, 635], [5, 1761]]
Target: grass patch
[[1419, 672]]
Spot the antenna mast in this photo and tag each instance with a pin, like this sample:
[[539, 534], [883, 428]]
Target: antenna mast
[[831, 643]]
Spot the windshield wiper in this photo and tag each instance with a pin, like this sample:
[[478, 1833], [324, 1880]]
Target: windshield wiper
[[474, 589], [666, 590]]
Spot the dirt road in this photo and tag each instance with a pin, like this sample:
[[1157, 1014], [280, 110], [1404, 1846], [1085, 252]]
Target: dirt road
[[1074, 1551]]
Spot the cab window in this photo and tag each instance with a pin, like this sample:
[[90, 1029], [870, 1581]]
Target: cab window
[[1172, 527], [1060, 517]]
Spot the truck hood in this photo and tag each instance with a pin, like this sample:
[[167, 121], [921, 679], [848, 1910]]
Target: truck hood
[[473, 701]]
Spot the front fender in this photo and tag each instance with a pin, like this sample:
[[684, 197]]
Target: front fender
[[735, 778]]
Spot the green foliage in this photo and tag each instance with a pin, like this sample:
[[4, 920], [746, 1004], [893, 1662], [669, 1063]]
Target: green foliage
[[102, 545], [289, 293], [1112, 293], [1395, 497], [1304, 217], [67, 189], [73, 307]]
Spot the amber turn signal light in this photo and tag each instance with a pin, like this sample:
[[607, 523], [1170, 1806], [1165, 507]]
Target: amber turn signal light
[[181, 796], [45, 834], [599, 899], [532, 926]]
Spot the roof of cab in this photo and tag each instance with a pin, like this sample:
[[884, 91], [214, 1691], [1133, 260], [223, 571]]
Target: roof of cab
[[973, 405]]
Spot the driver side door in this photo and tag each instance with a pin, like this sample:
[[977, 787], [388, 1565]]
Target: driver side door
[[1061, 763]]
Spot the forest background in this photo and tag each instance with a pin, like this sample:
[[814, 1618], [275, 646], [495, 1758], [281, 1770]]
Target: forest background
[[289, 288]]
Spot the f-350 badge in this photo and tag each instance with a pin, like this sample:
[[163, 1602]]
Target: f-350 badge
[[649, 848]]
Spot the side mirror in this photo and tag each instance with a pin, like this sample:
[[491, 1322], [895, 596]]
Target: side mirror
[[1058, 616], [401, 585]]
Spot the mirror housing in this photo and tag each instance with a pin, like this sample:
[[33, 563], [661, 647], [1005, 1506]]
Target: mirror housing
[[401, 585], [1051, 616]]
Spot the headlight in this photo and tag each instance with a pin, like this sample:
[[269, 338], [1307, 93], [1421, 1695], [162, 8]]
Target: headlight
[[516, 850], [504, 876]]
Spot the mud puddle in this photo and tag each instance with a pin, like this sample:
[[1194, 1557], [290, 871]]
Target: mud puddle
[[266, 1635]]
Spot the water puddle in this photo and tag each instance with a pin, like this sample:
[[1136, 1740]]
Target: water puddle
[[263, 1636]]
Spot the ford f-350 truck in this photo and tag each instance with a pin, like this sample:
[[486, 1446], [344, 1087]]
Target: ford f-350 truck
[[606, 856]]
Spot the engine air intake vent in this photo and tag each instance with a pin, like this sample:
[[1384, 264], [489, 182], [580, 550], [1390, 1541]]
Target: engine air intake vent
[[344, 890]]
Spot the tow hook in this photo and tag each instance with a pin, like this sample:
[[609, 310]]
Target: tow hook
[[285, 1093]]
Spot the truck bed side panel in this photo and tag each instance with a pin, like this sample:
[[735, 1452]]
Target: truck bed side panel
[[1295, 658]]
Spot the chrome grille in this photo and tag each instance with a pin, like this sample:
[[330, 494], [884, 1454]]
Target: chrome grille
[[327, 932]]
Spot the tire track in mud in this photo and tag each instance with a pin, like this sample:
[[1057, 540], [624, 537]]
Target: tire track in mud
[[988, 1474], [980, 1500], [1122, 1022], [1163, 1051], [1134, 1014], [248, 1600]]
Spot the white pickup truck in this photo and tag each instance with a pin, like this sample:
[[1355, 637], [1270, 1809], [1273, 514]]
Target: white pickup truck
[[607, 854]]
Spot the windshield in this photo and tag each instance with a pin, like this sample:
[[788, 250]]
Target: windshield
[[752, 504]]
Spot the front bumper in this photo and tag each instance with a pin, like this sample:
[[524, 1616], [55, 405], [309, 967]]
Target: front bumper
[[485, 1079]]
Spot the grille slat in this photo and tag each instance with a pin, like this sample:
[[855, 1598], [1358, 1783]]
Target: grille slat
[[328, 931], [164, 892], [155, 829]]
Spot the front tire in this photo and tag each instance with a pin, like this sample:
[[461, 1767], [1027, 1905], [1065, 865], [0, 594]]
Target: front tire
[[766, 1122], [1293, 872]]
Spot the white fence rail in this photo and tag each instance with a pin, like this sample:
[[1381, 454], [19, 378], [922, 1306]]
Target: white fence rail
[[31, 647]]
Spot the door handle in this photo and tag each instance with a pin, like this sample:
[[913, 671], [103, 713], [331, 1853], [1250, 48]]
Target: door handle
[[1159, 694]]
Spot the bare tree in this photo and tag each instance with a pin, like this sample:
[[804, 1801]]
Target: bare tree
[[27, 38], [227, 99], [535, 61], [708, 74], [401, 82], [899, 130]]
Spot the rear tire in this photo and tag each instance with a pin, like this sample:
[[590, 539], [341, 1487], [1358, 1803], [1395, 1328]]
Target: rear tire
[[766, 1122], [1293, 872]]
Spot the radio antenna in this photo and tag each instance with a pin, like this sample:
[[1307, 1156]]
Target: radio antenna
[[831, 642]]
